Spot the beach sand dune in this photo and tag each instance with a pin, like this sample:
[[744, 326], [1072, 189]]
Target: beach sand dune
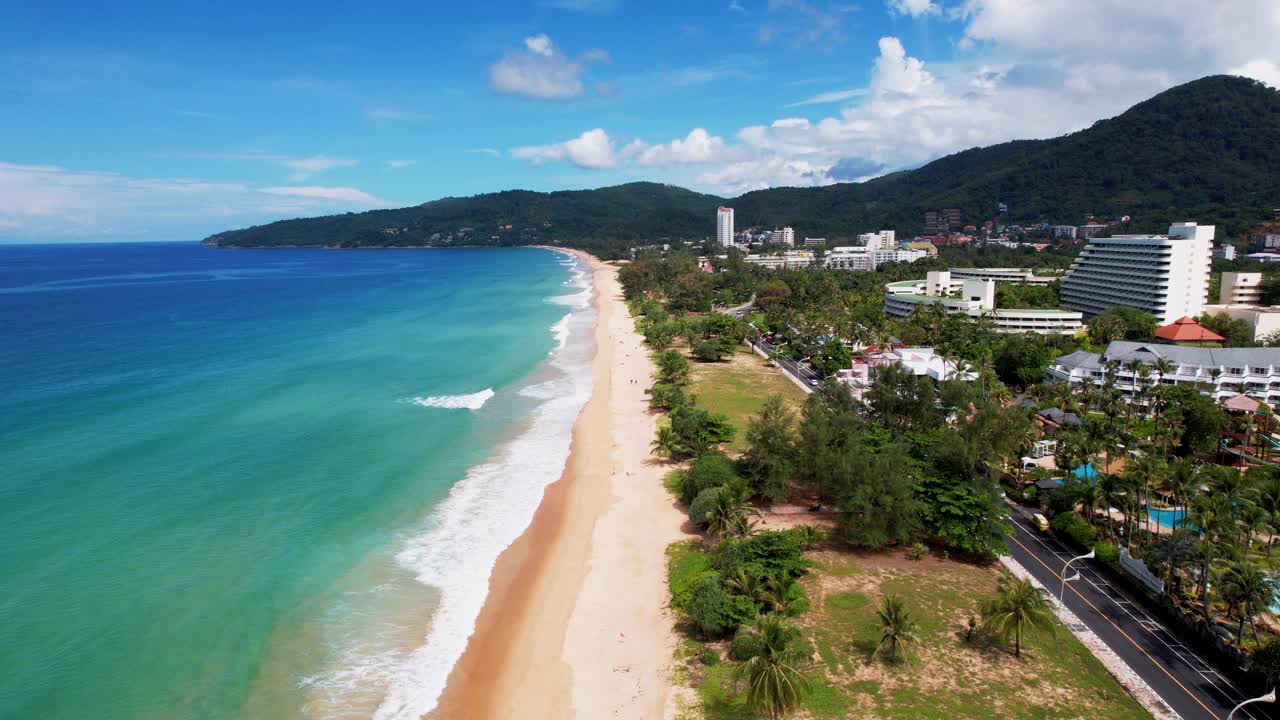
[[576, 624]]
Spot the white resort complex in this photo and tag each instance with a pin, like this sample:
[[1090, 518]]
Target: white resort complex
[[976, 298], [1219, 372], [1165, 275]]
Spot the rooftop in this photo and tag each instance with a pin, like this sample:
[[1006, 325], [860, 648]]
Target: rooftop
[[1185, 329]]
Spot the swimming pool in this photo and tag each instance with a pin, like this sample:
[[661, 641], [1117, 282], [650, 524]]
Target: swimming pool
[[1168, 518]]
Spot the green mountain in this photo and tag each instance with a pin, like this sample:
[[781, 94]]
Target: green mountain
[[1208, 151]]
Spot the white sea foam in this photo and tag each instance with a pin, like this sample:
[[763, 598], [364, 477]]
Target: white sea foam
[[473, 401], [483, 514]]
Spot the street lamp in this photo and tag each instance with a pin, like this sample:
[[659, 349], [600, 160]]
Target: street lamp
[[1066, 579], [1268, 698]]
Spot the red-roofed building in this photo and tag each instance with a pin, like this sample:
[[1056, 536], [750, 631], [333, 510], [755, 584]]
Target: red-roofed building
[[1186, 330]]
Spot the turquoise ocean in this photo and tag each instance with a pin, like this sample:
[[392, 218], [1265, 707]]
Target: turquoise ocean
[[268, 484]]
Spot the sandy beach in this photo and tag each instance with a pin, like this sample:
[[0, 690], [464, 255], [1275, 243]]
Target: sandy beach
[[576, 624]]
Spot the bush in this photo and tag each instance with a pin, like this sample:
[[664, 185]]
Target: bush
[[709, 471], [1073, 527], [705, 500], [1265, 659], [1107, 553], [712, 350], [742, 611], [687, 563], [666, 396], [709, 606], [744, 646], [710, 657], [773, 551]]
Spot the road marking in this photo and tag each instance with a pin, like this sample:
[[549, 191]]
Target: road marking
[[1103, 615]]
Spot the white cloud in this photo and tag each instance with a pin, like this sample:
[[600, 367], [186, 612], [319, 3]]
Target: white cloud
[[397, 164], [736, 6], [747, 175], [914, 8], [539, 70], [491, 152], [1268, 71], [802, 123], [592, 149], [831, 97], [699, 146], [597, 55], [46, 202]]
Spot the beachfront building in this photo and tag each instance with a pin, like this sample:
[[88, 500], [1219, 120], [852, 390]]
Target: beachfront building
[[851, 257], [976, 298], [878, 240], [785, 236], [1165, 275], [785, 261], [1218, 372], [724, 226]]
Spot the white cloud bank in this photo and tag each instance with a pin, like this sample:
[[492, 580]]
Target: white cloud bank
[[539, 70], [591, 149]]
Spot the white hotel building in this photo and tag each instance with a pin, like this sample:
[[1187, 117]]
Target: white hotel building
[[976, 298], [1220, 372], [724, 226], [1165, 275]]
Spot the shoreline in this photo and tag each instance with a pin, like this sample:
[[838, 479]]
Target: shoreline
[[555, 638]]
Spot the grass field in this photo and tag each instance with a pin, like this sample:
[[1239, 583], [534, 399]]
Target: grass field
[[738, 386], [945, 675]]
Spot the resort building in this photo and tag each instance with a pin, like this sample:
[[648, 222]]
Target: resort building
[[1224, 252], [920, 361], [1219, 372], [724, 226], [1165, 275], [851, 257], [1264, 320], [786, 261], [1022, 276], [907, 256], [1240, 288], [1186, 331], [976, 298], [785, 236], [878, 240]]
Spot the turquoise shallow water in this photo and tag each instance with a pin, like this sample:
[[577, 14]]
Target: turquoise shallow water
[[233, 482]]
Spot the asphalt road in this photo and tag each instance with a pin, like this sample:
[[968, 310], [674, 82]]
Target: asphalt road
[[795, 368], [1186, 682]]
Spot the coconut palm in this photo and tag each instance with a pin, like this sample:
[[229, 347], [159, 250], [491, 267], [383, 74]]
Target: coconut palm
[[1018, 606], [775, 684], [897, 628], [748, 583], [667, 442], [779, 595], [1243, 586], [1213, 514], [730, 515]]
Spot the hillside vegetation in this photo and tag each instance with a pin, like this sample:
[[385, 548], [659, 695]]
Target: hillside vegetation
[[1208, 150]]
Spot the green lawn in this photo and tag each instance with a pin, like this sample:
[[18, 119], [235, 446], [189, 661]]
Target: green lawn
[[738, 387], [945, 676]]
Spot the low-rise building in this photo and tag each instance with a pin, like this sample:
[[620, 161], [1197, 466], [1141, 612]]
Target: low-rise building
[[1218, 372], [1225, 252], [976, 298], [1021, 276], [1264, 238], [1265, 321], [921, 361], [1263, 257], [1240, 288], [785, 236], [810, 242], [851, 257], [786, 261]]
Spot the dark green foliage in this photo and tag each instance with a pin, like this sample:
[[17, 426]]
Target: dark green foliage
[[1071, 526], [1107, 552], [1237, 333], [687, 563], [1202, 418], [745, 645], [876, 494], [1265, 660], [673, 368], [1209, 149], [772, 552], [667, 397], [1121, 322], [903, 400], [705, 501], [709, 607], [968, 520], [770, 460], [699, 430], [831, 357], [713, 350], [709, 471], [1269, 288], [710, 657]]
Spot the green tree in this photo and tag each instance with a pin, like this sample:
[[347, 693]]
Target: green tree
[[1266, 660], [667, 443], [1017, 607], [1121, 322], [897, 628], [729, 514], [770, 460], [831, 357], [969, 520], [709, 606], [673, 367], [1243, 586], [713, 350], [877, 498], [1201, 418], [667, 397], [775, 683], [712, 470], [699, 430]]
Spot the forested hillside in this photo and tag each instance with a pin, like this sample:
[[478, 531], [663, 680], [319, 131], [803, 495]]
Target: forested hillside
[[1208, 150]]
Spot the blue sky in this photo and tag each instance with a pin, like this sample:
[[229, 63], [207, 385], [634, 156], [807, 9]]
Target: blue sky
[[162, 122]]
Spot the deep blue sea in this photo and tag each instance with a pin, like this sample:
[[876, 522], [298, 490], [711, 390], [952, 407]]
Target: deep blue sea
[[268, 484]]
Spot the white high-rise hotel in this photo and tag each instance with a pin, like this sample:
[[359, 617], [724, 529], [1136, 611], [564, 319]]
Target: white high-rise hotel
[[1165, 275], [724, 226]]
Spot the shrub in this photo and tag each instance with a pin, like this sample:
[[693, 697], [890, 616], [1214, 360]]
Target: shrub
[[1073, 527], [709, 606], [773, 551], [745, 645], [712, 350], [709, 471], [666, 396], [710, 657], [1265, 660], [686, 564], [705, 500], [742, 611], [1107, 553]]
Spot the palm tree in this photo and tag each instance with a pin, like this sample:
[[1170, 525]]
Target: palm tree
[[1017, 607], [1243, 587], [667, 443], [748, 583], [1213, 514], [775, 684], [897, 629], [809, 535], [778, 594], [730, 515]]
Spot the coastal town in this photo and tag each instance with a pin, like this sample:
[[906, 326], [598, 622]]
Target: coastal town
[[1094, 437]]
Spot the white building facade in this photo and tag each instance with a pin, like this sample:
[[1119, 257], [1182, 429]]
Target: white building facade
[[976, 298], [724, 226], [1219, 372], [1165, 275], [785, 236], [787, 260]]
